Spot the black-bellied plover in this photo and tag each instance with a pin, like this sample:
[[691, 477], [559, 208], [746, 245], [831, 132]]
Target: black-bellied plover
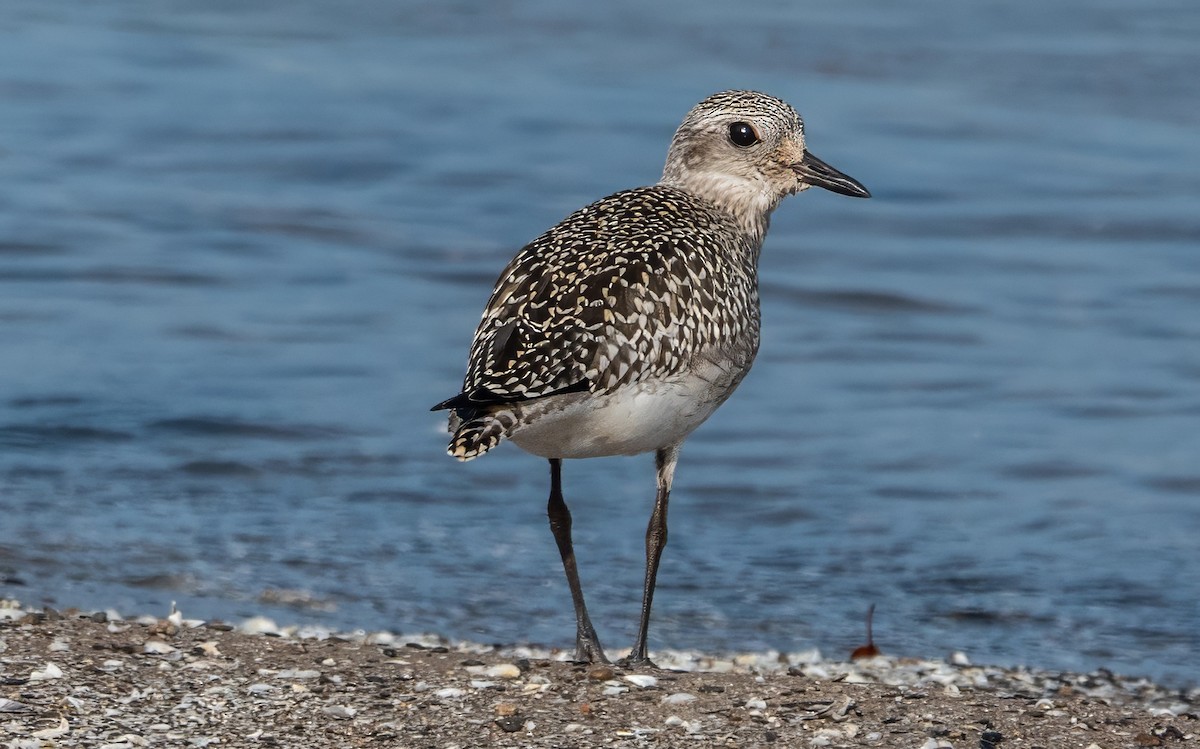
[[621, 329]]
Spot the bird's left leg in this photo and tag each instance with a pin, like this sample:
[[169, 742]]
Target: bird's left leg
[[656, 539]]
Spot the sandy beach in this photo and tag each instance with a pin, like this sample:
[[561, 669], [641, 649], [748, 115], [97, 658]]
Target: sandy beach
[[92, 679]]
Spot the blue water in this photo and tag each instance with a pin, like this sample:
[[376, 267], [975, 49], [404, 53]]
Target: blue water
[[243, 249]]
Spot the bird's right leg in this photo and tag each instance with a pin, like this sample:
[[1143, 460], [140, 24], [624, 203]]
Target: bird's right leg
[[587, 644]]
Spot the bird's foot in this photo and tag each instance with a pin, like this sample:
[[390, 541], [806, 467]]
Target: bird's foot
[[642, 662], [588, 650]]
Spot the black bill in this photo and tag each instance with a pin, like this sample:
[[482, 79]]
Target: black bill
[[817, 173]]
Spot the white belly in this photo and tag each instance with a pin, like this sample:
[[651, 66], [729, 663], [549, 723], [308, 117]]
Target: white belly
[[637, 418]]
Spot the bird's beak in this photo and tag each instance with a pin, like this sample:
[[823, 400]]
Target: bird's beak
[[817, 173]]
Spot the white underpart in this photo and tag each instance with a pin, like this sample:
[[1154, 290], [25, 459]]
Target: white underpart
[[633, 419]]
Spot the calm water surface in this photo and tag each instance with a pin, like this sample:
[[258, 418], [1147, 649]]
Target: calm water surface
[[242, 251]]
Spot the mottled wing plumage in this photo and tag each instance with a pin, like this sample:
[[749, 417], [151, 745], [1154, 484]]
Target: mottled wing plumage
[[632, 287]]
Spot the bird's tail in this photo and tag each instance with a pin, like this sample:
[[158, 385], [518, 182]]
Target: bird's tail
[[477, 435]]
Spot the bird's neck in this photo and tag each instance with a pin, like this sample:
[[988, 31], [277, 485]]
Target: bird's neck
[[746, 203]]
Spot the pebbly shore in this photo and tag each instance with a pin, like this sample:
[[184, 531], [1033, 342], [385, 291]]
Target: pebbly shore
[[97, 680]]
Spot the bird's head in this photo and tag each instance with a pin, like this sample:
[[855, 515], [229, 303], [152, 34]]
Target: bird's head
[[745, 152]]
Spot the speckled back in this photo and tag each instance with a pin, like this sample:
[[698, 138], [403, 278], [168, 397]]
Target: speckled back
[[634, 286]]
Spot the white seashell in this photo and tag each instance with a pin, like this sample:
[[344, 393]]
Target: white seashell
[[257, 625], [641, 680], [158, 647], [12, 706], [51, 733], [447, 693], [678, 698], [503, 671], [51, 671], [294, 673], [339, 712]]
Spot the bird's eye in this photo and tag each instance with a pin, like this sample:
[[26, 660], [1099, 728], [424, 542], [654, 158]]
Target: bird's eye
[[742, 134]]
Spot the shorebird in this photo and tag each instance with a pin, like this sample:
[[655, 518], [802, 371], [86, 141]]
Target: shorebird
[[624, 327]]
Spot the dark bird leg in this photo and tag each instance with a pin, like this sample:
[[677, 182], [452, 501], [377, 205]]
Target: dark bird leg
[[587, 644], [656, 539]]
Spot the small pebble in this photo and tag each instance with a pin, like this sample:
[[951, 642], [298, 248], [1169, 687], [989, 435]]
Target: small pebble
[[339, 712], [601, 673], [511, 723], [756, 703], [449, 693]]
